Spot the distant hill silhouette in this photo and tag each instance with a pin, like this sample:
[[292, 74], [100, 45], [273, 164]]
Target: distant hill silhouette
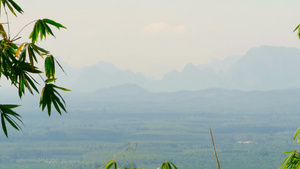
[[130, 98], [100, 75], [266, 68], [133, 99], [261, 68]]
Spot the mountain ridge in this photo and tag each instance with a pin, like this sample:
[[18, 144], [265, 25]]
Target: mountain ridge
[[261, 68], [208, 100]]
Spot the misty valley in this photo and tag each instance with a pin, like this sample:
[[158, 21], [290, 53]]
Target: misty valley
[[250, 102], [159, 84], [251, 129], [149, 84]]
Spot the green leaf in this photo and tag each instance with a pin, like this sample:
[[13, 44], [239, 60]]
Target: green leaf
[[132, 166], [10, 106], [3, 32], [49, 95], [21, 77], [39, 50], [51, 22], [61, 88], [288, 152], [12, 123], [50, 80], [56, 106], [10, 8], [298, 28], [173, 164], [296, 134], [31, 55], [292, 161], [33, 35], [41, 29], [167, 165], [12, 5], [7, 114], [60, 66], [50, 67], [110, 164], [4, 126]]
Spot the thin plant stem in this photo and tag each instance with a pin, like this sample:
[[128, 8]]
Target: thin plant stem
[[7, 23], [22, 30], [212, 139], [125, 149]]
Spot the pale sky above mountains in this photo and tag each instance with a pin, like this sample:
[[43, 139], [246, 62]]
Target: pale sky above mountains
[[155, 36]]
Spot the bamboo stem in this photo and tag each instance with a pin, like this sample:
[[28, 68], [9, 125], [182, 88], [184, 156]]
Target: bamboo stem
[[212, 139]]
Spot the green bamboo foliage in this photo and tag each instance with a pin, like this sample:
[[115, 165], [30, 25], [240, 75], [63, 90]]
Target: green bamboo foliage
[[298, 28], [10, 116], [50, 95], [168, 165], [11, 5], [18, 65], [41, 29], [292, 161], [112, 164]]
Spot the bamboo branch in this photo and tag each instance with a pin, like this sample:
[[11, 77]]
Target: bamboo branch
[[212, 139]]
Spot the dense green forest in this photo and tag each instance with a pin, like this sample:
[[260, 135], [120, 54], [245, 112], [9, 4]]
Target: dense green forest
[[89, 139], [251, 129]]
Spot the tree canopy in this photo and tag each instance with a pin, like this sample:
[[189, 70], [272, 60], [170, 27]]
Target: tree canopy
[[18, 64]]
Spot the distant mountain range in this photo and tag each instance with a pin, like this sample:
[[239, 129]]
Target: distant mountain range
[[134, 99], [130, 98], [262, 68]]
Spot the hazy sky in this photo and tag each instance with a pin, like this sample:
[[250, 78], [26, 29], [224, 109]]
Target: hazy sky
[[155, 36]]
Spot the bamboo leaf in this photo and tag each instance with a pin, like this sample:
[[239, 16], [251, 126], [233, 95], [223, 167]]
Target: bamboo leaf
[[50, 95], [298, 28], [50, 80], [173, 165], [60, 66], [51, 22], [15, 6], [56, 107], [296, 134], [20, 48], [6, 113], [4, 125], [41, 29], [39, 50], [3, 32], [109, 164], [12, 123], [49, 67], [10, 8], [10, 106], [61, 88]]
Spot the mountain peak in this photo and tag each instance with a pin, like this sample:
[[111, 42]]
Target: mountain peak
[[190, 67]]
